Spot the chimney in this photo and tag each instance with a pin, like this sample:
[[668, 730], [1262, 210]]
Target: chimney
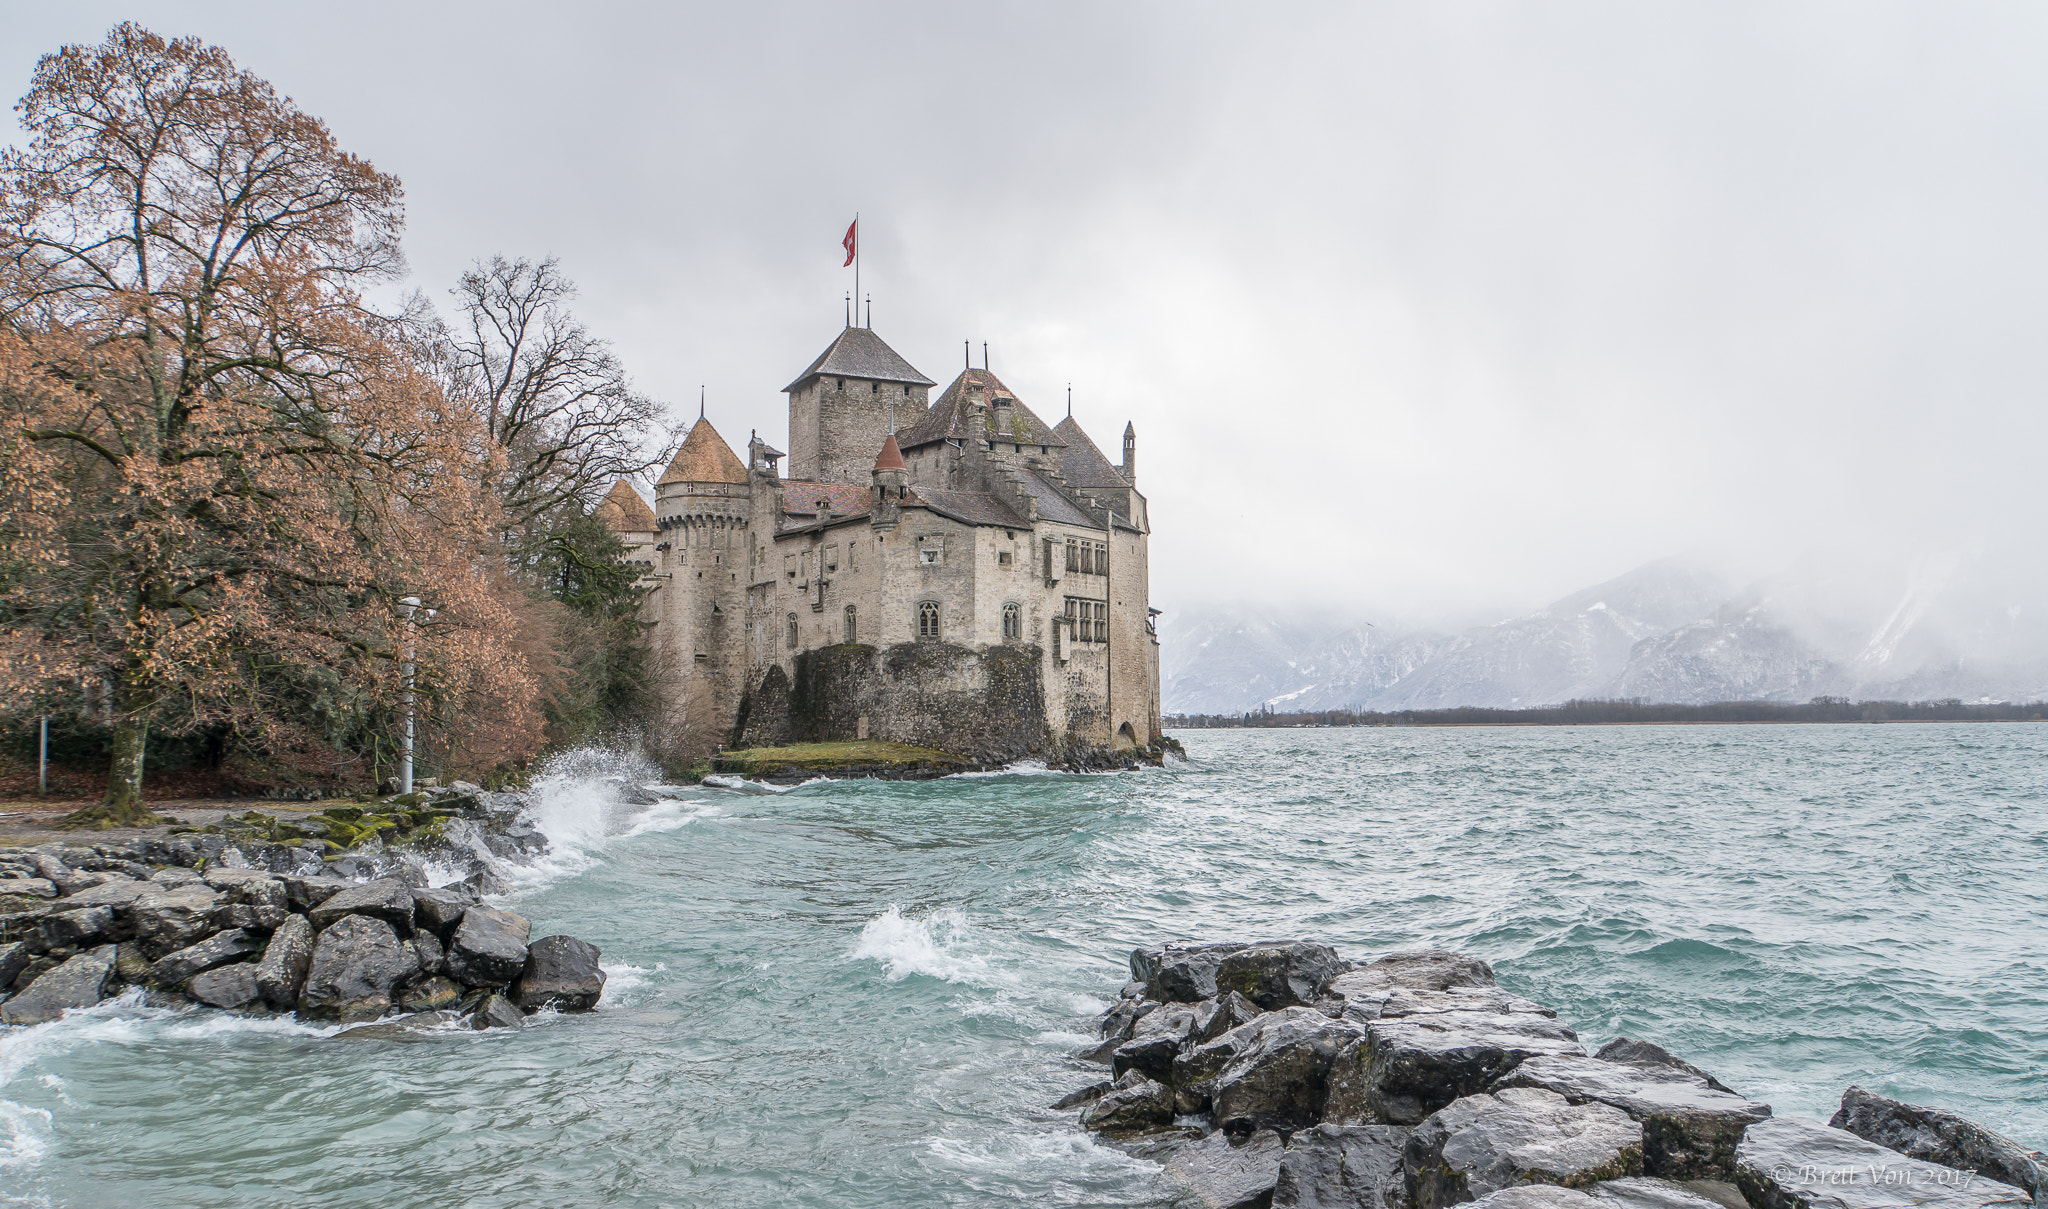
[[1130, 466]]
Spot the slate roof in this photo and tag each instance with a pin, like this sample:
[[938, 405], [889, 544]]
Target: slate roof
[[1053, 504], [623, 511], [948, 418], [859, 353], [800, 497], [704, 458], [969, 507], [1083, 464]]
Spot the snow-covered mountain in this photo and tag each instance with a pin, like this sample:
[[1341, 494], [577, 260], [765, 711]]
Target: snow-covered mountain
[[1665, 632]]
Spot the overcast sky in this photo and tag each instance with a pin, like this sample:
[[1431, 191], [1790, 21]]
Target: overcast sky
[[1426, 310]]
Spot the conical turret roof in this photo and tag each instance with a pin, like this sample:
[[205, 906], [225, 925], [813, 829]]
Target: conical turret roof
[[704, 458], [623, 511], [891, 458]]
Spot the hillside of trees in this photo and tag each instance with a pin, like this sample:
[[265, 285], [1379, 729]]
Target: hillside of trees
[[225, 472]]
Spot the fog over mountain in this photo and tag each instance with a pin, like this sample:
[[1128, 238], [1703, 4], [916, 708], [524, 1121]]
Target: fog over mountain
[[1669, 631]]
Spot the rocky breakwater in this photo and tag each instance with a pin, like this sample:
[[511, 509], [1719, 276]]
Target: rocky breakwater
[[247, 923], [1279, 1074]]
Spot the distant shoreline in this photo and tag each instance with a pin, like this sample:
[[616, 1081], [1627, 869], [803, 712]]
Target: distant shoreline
[[1629, 713]]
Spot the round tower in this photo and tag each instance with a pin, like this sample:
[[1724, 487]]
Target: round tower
[[703, 511]]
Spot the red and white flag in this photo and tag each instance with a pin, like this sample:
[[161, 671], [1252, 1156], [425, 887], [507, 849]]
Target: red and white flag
[[851, 242]]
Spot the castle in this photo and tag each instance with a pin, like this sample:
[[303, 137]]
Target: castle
[[954, 574]]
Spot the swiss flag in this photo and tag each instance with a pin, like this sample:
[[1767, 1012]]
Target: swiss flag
[[851, 241]]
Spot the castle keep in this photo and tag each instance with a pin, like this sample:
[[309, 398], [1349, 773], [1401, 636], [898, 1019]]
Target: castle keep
[[953, 573]]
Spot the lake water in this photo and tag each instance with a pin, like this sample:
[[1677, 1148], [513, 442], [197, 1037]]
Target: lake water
[[864, 993]]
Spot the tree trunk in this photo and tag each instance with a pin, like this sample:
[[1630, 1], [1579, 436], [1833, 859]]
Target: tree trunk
[[123, 806]]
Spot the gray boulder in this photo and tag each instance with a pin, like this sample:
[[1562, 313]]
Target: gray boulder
[[1786, 1163], [303, 892], [1180, 973], [1416, 969], [1935, 1135], [1407, 1067], [438, 993], [76, 928], [488, 948], [171, 877], [1344, 1167], [387, 899], [1219, 1171], [14, 958], [1281, 1078], [1086, 1095], [496, 1011], [1155, 1042], [561, 972], [438, 911], [1119, 1022], [162, 921], [78, 983], [32, 887], [1134, 1104], [356, 961], [219, 949], [1281, 974], [1215, 1017], [226, 986], [1537, 1196], [1521, 1135], [1650, 1193], [1631, 1052], [1690, 1130], [282, 972]]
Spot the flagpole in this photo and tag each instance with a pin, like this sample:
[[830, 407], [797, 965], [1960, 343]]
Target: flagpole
[[857, 242]]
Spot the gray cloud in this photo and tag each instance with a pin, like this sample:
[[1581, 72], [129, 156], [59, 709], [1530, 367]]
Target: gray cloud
[[1425, 309]]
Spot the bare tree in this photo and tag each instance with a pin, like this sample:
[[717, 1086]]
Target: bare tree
[[554, 399]]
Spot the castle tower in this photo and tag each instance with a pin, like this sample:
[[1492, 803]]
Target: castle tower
[[704, 515], [1130, 467], [891, 477], [840, 408]]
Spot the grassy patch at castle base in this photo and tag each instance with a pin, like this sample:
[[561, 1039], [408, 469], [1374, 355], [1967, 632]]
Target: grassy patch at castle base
[[869, 757]]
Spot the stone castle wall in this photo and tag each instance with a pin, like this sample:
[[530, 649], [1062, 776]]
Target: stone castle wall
[[837, 424]]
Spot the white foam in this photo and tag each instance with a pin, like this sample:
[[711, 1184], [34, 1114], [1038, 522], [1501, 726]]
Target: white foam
[[1022, 768], [936, 946], [619, 980], [742, 785], [576, 804]]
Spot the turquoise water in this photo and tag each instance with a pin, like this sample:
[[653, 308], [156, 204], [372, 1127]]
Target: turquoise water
[[863, 994]]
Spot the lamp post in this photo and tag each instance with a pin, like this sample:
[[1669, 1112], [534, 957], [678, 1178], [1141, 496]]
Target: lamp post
[[406, 607]]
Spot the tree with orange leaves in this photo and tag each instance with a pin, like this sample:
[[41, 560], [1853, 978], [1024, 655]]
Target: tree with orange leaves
[[223, 466]]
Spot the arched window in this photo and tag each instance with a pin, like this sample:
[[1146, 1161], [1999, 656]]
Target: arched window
[[852, 629], [792, 632], [927, 620], [1013, 623]]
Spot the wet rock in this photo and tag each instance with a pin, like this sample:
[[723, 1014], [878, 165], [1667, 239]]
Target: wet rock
[[217, 950], [1180, 973], [1119, 1022], [1135, 1103], [439, 911], [1786, 1163], [282, 972], [131, 964], [1397, 1002], [488, 948], [437, 993], [1344, 1167], [356, 960], [1219, 1171], [1935, 1135], [496, 1011], [229, 986], [251, 917], [303, 892], [487, 881], [1649, 1193], [14, 958], [1630, 1052], [561, 972], [246, 886], [1281, 974], [31, 887], [1215, 1017], [1521, 1135], [1087, 1095], [1407, 1067], [1155, 1042], [163, 921], [80, 982], [1419, 969], [63, 876], [1280, 1079], [1690, 1130], [422, 1026], [388, 899], [171, 877], [76, 928], [1538, 1196], [428, 952]]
